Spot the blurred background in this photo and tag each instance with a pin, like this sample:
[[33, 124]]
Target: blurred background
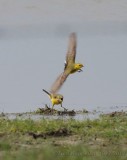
[[33, 45]]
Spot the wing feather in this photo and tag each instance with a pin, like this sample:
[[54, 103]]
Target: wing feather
[[71, 53], [58, 82]]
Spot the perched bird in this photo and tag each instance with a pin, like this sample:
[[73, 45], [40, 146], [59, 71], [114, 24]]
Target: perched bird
[[55, 99], [70, 67]]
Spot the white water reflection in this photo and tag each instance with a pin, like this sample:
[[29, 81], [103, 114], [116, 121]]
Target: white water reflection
[[91, 115]]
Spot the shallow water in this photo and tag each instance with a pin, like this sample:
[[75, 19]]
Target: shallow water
[[78, 116]]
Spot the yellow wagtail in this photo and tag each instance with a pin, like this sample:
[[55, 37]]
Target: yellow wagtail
[[55, 99], [70, 67]]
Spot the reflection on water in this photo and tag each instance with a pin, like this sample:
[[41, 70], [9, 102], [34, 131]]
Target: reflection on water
[[50, 117]]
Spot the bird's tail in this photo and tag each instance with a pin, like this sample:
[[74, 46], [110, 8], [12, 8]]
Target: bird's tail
[[46, 92]]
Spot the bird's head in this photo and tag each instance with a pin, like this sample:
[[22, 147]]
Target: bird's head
[[58, 97], [78, 66]]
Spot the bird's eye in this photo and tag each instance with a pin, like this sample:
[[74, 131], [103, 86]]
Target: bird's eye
[[54, 96], [62, 99], [80, 65]]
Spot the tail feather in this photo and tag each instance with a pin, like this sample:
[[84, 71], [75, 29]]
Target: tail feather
[[46, 92]]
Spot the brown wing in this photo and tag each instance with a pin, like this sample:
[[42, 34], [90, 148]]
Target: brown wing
[[71, 53], [59, 82]]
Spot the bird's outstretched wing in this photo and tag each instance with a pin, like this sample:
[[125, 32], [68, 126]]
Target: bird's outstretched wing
[[58, 83], [70, 58], [71, 53]]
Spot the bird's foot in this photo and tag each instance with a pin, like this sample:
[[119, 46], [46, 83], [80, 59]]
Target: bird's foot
[[80, 70], [52, 111], [65, 110]]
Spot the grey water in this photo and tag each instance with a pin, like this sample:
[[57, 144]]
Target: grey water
[[33, 46]]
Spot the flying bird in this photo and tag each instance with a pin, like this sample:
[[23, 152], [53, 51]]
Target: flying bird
[[70, 65], [69, 68]]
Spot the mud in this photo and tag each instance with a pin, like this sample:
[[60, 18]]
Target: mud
[[116, 113], [48, 111], [58, 133]]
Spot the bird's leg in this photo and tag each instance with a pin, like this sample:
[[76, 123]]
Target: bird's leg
[[52, 109], [63, 108]]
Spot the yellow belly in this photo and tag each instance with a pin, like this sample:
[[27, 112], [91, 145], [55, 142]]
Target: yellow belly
[[55, 101]]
